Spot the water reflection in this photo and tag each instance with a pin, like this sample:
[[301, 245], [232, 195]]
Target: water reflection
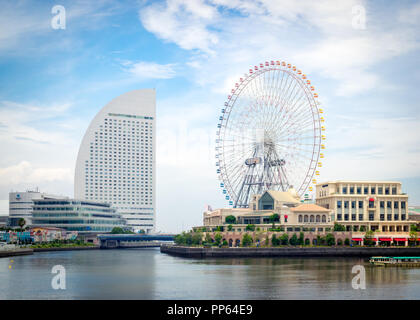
[[147, 274]]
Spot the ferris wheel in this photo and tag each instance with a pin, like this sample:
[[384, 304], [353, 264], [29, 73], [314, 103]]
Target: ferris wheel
[[270, 134]]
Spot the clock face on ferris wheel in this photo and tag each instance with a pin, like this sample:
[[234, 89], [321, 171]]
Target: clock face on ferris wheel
[[270, 134]]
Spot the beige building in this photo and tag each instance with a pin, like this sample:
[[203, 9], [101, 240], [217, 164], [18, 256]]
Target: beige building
[[293, 215], [380, 206]]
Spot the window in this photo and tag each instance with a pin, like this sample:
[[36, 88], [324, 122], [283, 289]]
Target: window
[[361, 217], [346, 204], [389, 204], [360, 204], [351, 190], [394, 190], [396, 216], [353, 204], [386, 190], [372, 190], [344, 190], [359, 190], [402, 204], [353, 217], [371, 216], [395, 204], [382, 204], [382, 217], [380, 190], [365, 190], [339, 204], [339, 217], [389, 217]]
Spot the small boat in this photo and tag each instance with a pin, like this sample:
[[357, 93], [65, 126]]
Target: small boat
[[395, 261]]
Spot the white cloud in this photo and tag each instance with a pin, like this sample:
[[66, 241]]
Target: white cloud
[[25, 173], [183, 22], [317, 35], [149, 70]]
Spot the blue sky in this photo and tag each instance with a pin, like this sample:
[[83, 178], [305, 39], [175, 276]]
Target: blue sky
[[53, 82]]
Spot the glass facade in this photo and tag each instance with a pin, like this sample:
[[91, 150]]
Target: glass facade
[[75, 215]]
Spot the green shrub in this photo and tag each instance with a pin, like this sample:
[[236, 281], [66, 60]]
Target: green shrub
[[230, 219], [246, 240], [250, 227], [329, 239], [339, 227], [284, 239], [294, 240]]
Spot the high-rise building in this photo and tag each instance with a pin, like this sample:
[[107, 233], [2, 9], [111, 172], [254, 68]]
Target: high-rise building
[[116, 160]]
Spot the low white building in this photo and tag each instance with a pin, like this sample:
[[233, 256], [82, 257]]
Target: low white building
[[21, 204]]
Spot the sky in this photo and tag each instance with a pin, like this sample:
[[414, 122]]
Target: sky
[[362, 57]]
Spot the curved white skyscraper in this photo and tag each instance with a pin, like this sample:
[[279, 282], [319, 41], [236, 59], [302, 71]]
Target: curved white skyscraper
[[116, 160]]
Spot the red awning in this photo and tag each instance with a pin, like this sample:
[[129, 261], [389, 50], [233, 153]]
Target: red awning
[[373, 239], [400, 239], [385, 239], [357, 239], [371, 199]]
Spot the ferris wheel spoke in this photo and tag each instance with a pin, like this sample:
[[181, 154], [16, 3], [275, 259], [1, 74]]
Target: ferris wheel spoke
[[272, 115]]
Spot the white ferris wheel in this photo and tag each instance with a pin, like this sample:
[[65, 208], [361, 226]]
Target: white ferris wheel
[[270, 134]]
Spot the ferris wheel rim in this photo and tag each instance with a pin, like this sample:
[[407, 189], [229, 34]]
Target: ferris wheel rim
[[231, 103]]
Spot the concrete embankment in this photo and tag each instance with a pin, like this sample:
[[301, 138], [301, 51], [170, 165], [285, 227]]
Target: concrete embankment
[[65, 248], [195, 252], [15, 252]]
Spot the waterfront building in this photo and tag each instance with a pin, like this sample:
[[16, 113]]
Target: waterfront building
[[290, 214], [4, 221], [377, 205], [116, 160], [356, 207], [83, 216], [48, 234], [20, 206]]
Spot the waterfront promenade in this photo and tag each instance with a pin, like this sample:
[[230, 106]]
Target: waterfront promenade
[[253, 252]]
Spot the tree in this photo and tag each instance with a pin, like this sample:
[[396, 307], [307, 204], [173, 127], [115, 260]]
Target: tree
[[339, 227], [117, 230], [274, 240], [294, 240], [208, 239], [246, 240], [250, 227], [225, 243], [362, 229], [230, 227], [274, 218], [21, 223], [284, 239], [218, 238], [329, 239], [413, 227], [413, 237], [301, 239], [347, 241], [368, 241], [230, 219], [197, 238]]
